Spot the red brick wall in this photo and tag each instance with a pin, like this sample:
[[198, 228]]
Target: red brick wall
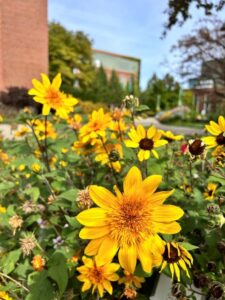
[[23, 41]]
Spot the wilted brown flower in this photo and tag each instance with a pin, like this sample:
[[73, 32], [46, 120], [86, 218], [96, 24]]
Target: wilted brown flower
[[130, 293], [15, 222], [196, 148], [83, 199], [28, 243]]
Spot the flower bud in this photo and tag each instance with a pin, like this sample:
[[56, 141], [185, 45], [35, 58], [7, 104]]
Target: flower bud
[[114, 155]]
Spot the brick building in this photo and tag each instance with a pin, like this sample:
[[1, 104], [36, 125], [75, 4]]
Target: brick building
[[126, 67], [23, 42]]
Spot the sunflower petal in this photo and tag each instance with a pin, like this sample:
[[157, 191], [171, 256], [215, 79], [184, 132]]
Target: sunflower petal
[[57, 81], [141, 131], [159, 197], [128, 258], [46, 109], [93, 217], [93, 246], [107, 251], [221, 122], [91, 233], [167, 228], [167, 213], [132, 180], [131, 144], [150, 184], [102, 197]]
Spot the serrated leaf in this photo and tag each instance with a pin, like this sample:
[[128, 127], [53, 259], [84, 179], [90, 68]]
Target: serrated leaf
[[58, 271]]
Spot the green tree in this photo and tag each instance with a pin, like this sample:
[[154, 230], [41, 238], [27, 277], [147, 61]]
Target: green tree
[[116, 91], [166, 88], [71, 54], [98, 91]]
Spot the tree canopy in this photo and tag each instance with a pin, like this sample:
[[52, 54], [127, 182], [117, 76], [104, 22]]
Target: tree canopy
[[70, 53]]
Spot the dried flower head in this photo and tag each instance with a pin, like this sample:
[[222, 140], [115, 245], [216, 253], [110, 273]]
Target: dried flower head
[[83, 199], [130, 101], [38, 263], [15, 222], [29, 207], [51, 199], [28, 243]]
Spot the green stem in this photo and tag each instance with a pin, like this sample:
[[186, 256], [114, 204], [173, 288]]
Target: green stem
[[46, 146]]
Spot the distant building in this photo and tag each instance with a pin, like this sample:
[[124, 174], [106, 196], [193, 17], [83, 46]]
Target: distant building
[[126, 67], [23, 42], [208, 89]]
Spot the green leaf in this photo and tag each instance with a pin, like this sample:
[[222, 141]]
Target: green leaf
[[8, 262], [140, 272], [217, 179], [69, 195], [6, 185], [141, 108], [58, 271], [33, 192], [189, 246], [40, 286], [73, 222]]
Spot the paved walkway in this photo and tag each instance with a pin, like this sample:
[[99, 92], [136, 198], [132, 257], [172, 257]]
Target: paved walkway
[[175, 129]]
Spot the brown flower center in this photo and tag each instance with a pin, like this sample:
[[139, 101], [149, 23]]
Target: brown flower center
[[96, 274], [146, 144], [197, 147], [210, 192], [220, 139], [172, 256]]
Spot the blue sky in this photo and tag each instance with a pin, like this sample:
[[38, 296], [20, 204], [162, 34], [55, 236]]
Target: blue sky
[[127, 27]]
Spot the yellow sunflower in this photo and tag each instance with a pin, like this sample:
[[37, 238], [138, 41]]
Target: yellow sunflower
[[210, 191], [129, 222], [95, 128], [97, 275], [51, 97], [170, 137], [176, 256], [218, 132], [146, 141]]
